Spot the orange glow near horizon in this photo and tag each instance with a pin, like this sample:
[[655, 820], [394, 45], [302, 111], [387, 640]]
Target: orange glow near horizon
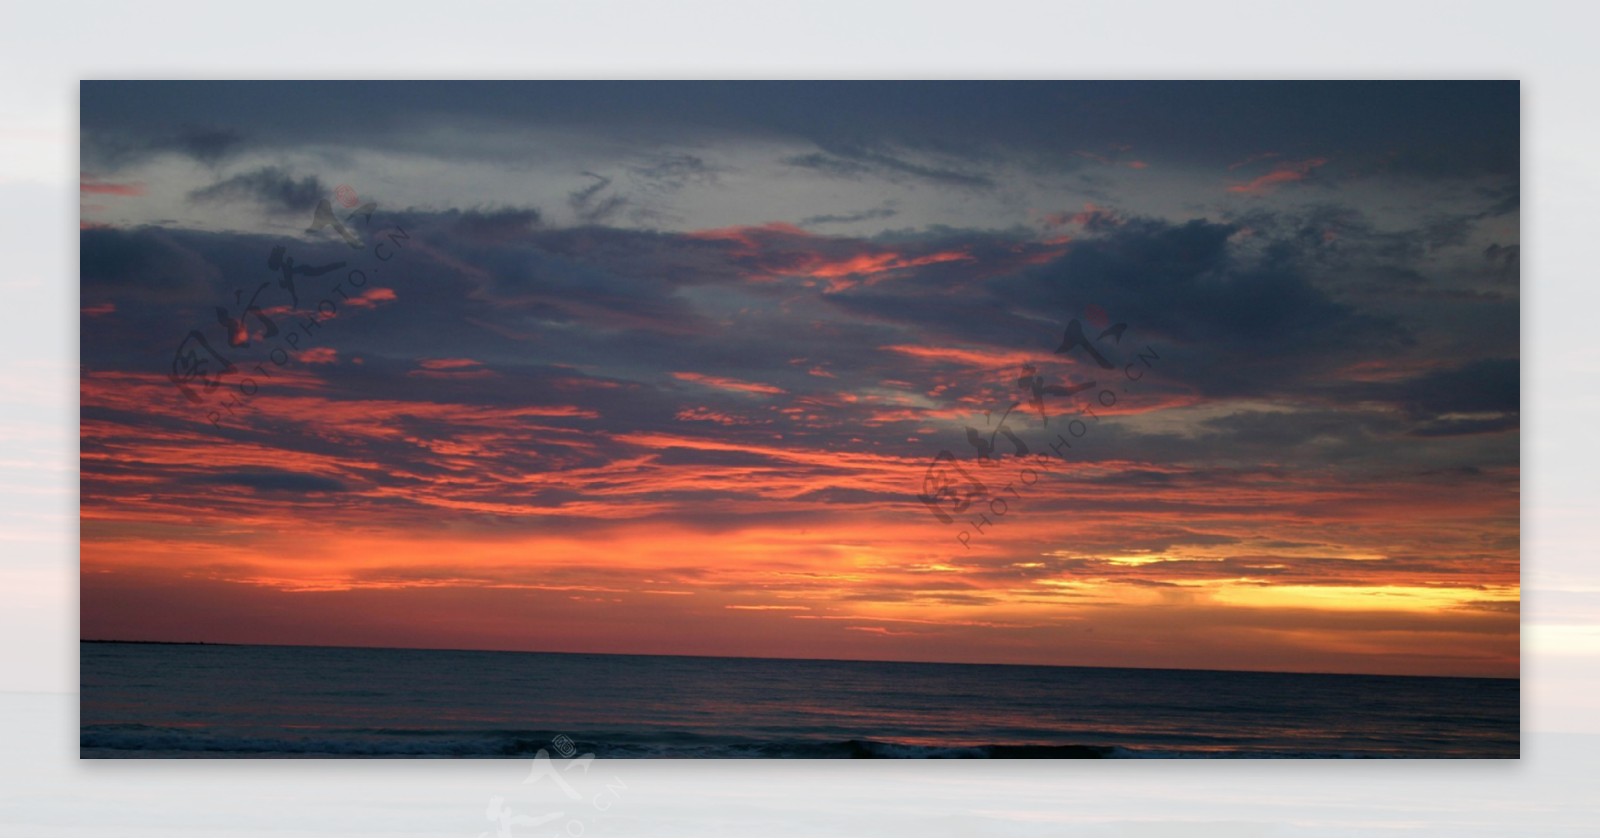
[[1253, 570]]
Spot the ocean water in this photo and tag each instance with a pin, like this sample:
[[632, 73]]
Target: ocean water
[[161, 700]]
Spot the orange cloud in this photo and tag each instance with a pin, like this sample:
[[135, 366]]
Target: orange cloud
[[727, 384], [452, 369], [871, 263], [981, 359], [448, 363], [774, 251], [371, 298]]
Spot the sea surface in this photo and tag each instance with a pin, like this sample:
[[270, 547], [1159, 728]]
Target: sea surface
[[209, 701]]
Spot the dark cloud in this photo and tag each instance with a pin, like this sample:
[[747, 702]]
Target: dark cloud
[[849, 218], [146, 262], [829, 165], [272, 480], [1427, 129], [493, 226], [1487, 385], [854, 160], [590, 205], [674, 171], [1505, 261], [207, 145], [270, 187], [1506, 200], [1247, 323], [1460, 427]]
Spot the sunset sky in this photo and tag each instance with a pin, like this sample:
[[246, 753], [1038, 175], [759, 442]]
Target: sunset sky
[[664, 368]]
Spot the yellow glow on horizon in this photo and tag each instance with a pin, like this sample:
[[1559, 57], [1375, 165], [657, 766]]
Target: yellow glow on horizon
[[1357, 598]]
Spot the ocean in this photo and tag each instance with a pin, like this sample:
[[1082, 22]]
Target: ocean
[[211, 701]]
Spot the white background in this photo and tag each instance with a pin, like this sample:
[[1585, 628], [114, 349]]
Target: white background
[[45, 48]]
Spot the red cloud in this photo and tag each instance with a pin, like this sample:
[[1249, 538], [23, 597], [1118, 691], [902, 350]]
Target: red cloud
[[373, 298], [449, 363], [1092, 217], [748, 236], [772, 251], [90, 185], [1285, 173], [452, 368], [968, 357], [727, 384]]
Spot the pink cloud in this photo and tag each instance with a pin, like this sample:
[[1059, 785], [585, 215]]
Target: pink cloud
[[1285, 173], [90, 185]]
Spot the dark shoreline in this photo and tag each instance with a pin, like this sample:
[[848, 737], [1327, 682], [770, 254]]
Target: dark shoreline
[[166, 643]]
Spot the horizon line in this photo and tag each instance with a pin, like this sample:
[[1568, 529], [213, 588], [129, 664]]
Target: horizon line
[[1517, 678]]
